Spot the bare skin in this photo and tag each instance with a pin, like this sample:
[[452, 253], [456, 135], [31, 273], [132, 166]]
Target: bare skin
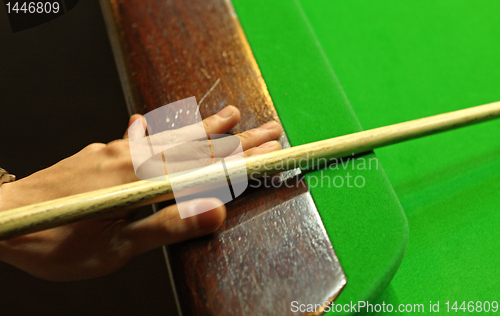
[[100, 246]]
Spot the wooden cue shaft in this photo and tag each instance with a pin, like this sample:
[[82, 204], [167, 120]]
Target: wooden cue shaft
[[37, 217]]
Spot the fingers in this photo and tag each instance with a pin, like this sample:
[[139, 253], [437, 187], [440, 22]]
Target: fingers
[[219, 123], [132, 119], [166, 227], [223, 121], [263, 149], [226, 119], [258, 136]]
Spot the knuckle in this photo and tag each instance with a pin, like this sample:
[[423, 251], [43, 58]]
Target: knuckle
[[253, 133], [95, 147], [211, 121], [164, 221], [116, 148]]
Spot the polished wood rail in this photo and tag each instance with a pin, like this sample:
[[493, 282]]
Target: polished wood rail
[[169, 50]]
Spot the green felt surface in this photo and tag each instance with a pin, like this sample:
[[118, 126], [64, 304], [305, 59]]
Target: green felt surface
[[367, 225], [399, 61], [396, 61]]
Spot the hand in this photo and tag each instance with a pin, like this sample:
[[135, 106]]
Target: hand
[[100, 246]]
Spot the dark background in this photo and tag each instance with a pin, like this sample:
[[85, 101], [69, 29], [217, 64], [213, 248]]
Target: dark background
[[60, 91]]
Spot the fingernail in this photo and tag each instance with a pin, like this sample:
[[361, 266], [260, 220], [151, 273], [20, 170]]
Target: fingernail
[[269, 125], [227, 112]]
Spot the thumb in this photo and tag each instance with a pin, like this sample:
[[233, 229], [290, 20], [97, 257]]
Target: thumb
[[166, 226]]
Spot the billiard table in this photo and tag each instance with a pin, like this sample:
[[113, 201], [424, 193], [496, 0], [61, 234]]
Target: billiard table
[[424, 226]]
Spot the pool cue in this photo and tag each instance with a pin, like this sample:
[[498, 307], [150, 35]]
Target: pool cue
[[49, 214]]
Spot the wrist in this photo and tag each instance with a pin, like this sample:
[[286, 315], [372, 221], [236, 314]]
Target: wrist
[[3, 203], [6, 201]]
